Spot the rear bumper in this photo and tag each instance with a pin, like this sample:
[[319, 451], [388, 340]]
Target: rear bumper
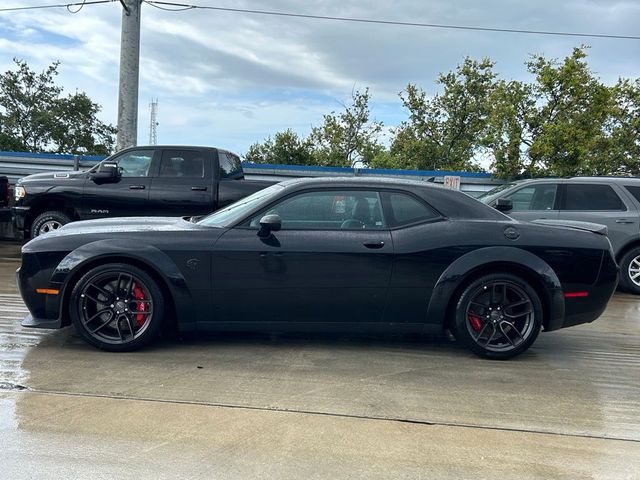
[[586, 309]]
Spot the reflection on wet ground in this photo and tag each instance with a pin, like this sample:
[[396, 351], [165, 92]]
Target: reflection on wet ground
[[320, 406]]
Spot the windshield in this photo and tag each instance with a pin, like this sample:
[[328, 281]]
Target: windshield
[[231, 213], [488, 197]]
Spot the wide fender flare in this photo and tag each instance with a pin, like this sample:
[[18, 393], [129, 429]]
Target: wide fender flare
[[148, 255], [459, 270]]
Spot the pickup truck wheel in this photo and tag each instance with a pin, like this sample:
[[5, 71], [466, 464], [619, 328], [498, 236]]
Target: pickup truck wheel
[[48, 222], [117, 307], [630, 271]]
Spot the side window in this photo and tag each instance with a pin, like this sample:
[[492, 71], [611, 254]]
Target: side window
[[591, 197], [406, 209], [230, 166], [633, 190], [181, 163], [135, 164], [328, 210], [534, 197]]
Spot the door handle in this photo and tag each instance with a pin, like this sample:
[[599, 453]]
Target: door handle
[[374, 245], [136, 187], [199, 189], [624, 220]]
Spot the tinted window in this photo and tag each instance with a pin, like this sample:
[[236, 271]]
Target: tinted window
[[635, 191], [328, 210], [230, 166], [407, 209], [533, 197], [135, 164], [181, 163], [591, 197]]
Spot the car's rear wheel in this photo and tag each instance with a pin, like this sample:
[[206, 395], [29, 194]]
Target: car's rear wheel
[[117, 307], [498, 316], [48, 222], [630, 271]]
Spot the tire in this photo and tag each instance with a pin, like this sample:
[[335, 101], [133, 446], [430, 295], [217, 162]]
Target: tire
[[629, 266], [117, 307], [498, 316], [48, 221]]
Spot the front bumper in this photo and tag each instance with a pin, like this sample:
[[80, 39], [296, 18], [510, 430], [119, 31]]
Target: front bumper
[[44, 309], [19, 215]]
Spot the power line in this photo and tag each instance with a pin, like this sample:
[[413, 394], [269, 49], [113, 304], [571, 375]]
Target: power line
[[59, 5], [186, 6]]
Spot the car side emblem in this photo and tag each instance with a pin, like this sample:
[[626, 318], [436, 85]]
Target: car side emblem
[[192, 263], [511, 233]]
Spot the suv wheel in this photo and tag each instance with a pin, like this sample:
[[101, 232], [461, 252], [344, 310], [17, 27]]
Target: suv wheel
[[630, 271], [48, 222]]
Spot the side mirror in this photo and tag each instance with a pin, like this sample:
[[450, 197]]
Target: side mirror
[[268, 224], [503, 205], [107, 172]]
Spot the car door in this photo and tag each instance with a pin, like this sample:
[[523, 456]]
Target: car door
[[128, 195], [330, 262], [534, 201], [599, 203], [183, 183]]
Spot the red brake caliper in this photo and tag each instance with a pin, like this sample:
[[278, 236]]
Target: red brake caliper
[[475, 322], [140, 306]]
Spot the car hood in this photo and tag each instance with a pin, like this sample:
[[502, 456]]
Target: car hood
[[125, 225], [62, 175]]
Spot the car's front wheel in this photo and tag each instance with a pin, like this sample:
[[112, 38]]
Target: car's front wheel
[[117, 307], [630, 271], [498, 316]]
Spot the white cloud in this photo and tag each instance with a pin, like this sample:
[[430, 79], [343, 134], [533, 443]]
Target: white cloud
[[231, 79]]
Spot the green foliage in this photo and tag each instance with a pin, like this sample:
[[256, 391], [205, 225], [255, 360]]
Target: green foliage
[[286, 148], [563, 122], [443, 130], [35, 117], [348, 136]]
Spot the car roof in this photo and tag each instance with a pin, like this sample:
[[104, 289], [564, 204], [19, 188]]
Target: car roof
[[357, 181], [609, 179]]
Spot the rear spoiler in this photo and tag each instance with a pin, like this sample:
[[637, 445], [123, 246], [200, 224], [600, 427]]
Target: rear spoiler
[[584, 226]]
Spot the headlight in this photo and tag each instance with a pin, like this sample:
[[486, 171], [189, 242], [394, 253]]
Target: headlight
[[19, 193]]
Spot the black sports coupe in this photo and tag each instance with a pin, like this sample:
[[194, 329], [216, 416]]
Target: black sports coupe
[[323, 254]]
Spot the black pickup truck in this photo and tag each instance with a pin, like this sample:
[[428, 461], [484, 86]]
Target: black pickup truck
[[138, 181]]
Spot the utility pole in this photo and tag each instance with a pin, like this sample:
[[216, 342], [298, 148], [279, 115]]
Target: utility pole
[[129, 75], [153, 122]]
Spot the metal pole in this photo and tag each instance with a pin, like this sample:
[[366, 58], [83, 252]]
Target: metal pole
[[129, 75]]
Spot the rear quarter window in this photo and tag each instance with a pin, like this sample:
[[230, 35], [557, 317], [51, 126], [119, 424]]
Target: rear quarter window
[[633, 190], [406, 209], [591, 197]]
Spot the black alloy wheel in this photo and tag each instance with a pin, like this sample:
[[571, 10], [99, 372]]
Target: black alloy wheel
[[498, 316], [117, 307]]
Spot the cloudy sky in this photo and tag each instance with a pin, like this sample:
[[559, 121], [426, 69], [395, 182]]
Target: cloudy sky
[[230, 79]]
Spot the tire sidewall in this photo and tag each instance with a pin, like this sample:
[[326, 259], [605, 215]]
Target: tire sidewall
[[45, 217], [625, 281], [462, 333], [150, 333]]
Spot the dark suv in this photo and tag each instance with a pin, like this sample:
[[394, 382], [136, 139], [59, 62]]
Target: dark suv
[[611, 201]]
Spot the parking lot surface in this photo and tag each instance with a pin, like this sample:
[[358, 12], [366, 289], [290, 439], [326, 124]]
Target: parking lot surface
[[292, 406]]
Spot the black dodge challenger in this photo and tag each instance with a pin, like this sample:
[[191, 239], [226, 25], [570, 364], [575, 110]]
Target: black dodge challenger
[[322, 254]]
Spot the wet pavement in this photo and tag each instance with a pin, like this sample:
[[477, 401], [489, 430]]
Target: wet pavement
[[291, 406]]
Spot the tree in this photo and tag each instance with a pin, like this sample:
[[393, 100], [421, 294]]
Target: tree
[[77, 129], [26, 99], [556, 125], [347, 136], [443, 131], [286, 148], [34, 117]]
